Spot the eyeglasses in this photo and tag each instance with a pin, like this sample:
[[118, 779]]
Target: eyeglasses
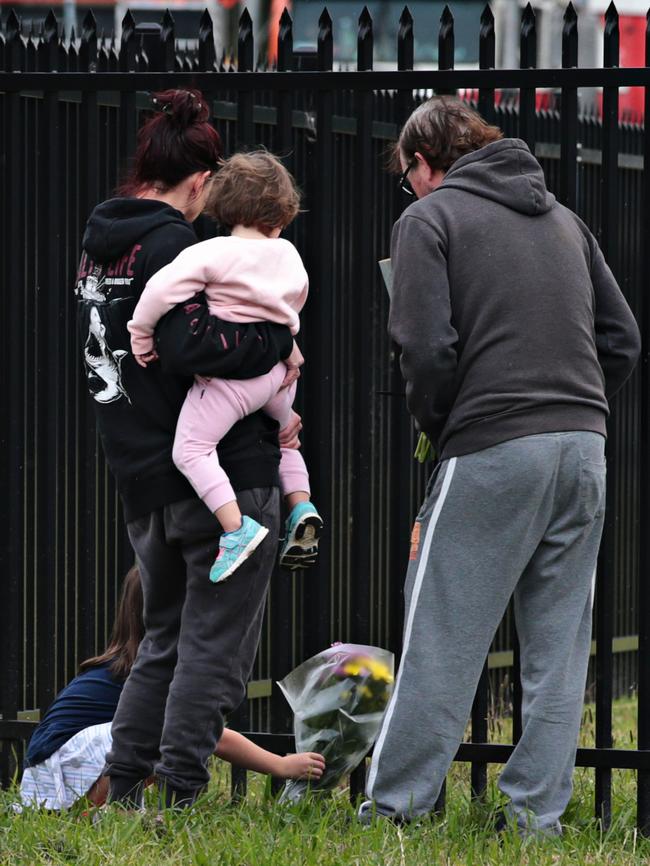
[[404, 182]]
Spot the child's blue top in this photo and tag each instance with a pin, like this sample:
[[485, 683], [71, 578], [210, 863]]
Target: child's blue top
[[89, 699]]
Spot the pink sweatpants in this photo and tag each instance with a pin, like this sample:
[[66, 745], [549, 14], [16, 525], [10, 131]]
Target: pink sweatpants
[[211, 408]]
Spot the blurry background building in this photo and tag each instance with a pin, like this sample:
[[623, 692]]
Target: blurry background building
[[385, 14]]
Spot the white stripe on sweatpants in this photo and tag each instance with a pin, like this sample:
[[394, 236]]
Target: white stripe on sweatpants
[[417, 586], [593, 588]]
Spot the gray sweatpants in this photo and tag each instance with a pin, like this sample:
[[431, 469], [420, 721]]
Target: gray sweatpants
[[199, 645], [522, 517]]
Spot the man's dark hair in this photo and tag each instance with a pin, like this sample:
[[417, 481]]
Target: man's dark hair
[[442, 129]]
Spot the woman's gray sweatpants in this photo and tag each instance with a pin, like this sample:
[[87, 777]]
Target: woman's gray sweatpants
[[199, 645], [522, 517]]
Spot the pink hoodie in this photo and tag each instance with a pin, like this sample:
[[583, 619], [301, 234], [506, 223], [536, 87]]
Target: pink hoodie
[[244, 279]]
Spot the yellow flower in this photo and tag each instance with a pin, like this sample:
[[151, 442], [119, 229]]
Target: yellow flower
[[353, 669], [379, 671]]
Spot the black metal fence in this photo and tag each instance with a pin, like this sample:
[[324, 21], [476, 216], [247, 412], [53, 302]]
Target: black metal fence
[[70, 108]]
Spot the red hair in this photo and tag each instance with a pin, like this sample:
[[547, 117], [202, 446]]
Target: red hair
[[177, 141]]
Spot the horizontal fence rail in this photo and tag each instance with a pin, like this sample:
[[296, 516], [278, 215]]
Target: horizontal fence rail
[[70, 105], [434, 80]]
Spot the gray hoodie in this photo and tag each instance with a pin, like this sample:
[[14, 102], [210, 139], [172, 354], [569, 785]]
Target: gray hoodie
[[509, 320]]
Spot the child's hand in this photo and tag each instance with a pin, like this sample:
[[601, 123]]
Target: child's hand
[[292, 375], [293, 364], [143, 360], [304, 765], [295, 359]]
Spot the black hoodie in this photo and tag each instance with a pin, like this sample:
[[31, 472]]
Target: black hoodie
[[126, 241], [509, 320]]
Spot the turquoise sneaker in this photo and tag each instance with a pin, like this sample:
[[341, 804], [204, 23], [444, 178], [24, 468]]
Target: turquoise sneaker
[[301, 533], [237, 546]]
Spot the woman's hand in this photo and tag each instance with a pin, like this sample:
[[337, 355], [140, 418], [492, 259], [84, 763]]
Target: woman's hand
[[304, 765], [289, 434], [143, 360]]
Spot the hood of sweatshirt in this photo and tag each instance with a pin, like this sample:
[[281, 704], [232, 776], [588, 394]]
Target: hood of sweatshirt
[[506, 172], [117, 224]]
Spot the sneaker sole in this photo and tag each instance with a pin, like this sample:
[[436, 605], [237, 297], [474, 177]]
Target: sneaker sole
[[304, 543], [250, 548]]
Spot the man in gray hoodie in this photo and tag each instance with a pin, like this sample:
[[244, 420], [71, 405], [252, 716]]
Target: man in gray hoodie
[[514, 335]]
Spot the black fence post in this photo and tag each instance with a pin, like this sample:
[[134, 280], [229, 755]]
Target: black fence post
[[527, 60], [321, 326], [606, 578], [363, 533], [282, 602], [72, 53], [282, 608], [48, 47], [569, 116], [245, 101], [480, 734], [446, 42], [128, 44], [149, 36], [357, 782], [14, 44], [405, 40], [643, 599], [49, 400], [87, 467], [88, 50], [245, 46], [486, 60], [207, 54], [441, 802], [405, 60], [285, 42], [285, 96], [167, 43], [127, 63], [13, 318]]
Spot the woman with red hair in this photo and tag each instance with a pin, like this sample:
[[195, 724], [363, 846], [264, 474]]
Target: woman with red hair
[[200, 639]]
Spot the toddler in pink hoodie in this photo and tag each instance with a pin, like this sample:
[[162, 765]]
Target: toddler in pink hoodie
[[253, 275]]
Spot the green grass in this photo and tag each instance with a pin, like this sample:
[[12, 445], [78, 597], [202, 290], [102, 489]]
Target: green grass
[[324, 833]]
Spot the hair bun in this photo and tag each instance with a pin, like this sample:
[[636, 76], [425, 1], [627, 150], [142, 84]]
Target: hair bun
[[184, 108]]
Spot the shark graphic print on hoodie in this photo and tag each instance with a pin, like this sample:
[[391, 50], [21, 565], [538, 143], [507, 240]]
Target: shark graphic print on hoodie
[[509, 319], [126, 241]]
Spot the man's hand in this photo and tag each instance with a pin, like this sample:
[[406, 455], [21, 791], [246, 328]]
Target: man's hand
[[289, 434], [143, 360]]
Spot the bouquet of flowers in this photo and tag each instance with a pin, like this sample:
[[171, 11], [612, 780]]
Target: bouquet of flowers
[[338, 698]]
